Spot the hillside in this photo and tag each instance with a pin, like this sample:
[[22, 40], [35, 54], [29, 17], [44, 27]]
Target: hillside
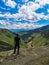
[[26, 34], [36, 37], [6, 39], [28, 38], [40, 38], [35, 50], [33, 30]]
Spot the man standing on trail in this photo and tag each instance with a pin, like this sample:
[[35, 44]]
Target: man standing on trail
[[16, 43]]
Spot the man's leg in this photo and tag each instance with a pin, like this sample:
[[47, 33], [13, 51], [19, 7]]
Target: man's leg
[[15, 49], [18, 50]]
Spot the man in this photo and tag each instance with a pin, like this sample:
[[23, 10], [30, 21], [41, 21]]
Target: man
[[16, 43]]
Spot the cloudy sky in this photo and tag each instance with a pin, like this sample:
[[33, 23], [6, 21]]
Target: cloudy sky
[[24, 14]]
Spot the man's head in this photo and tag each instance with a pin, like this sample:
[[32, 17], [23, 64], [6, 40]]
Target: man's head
[[17, 35]]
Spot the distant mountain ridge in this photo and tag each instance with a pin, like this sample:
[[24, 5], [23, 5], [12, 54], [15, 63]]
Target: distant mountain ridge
[[36, 37], [28, 33], [34, 30]]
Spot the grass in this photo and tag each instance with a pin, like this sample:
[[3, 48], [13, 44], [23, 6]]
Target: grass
[[6, 38], [34, 39], [36, 54], [38, 40], [4, 46]]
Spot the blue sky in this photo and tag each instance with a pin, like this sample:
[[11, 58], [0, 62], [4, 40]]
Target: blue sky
[[24, 14]]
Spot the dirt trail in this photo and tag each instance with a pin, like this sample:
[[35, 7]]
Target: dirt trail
[[26, 56]]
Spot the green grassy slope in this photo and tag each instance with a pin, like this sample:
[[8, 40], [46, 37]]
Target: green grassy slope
[[28, 39], [6, 39], [38, 54], [36, 39]]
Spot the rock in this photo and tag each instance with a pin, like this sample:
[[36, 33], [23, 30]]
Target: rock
[[1, 60]]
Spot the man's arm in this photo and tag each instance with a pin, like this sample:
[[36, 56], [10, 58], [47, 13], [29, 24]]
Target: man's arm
[[14, 40]]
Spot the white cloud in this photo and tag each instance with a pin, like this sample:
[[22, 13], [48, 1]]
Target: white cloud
[[42, 2], [19, 25], [28, 16], [33, 6], [46, 17], [4, 22], [24, 0], [0, 12], [3, 8], [48, 10], [27, 12], [10, 3], [3, 0]]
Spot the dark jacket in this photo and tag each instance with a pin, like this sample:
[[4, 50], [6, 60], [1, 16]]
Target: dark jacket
[[17, 40]]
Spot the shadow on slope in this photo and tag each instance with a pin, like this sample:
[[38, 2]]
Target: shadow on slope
[[4, 46]]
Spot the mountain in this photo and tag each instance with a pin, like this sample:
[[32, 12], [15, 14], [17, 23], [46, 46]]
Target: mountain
[[36, 37], [34, 30], [6, 39], [26, 34], [17, 30], [36, 51]]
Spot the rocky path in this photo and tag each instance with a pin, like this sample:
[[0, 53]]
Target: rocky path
[[27, 56]]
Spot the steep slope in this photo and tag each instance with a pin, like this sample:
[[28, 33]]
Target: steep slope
[[37, 37], [26, 34], [40, 38], [6, 39]]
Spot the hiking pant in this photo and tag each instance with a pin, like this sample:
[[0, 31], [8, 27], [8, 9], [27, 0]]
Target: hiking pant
[[16, 47]]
